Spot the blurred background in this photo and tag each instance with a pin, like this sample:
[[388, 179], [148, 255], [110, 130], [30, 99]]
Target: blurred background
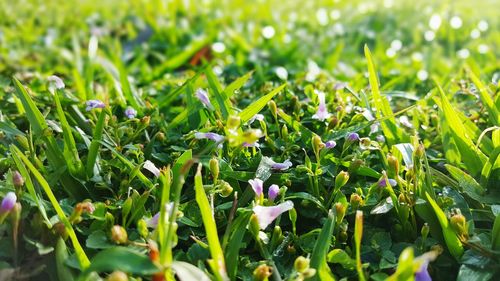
[[153, 40]]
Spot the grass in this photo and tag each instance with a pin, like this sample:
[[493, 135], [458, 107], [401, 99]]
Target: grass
[[394, 173]]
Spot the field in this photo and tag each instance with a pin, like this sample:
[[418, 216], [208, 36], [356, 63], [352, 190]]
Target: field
[[249, 140]]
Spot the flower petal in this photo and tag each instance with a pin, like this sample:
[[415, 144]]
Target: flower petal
[[266, 215]]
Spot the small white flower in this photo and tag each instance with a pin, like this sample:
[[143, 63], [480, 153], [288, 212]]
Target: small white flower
[[281, 72], [322, 112], [435, 22], [257, 116], [266, 215], [148, 165], [429, 35], [55, 82], [218, 47]]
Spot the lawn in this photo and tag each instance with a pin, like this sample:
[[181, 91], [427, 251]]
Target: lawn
[[249, 140]]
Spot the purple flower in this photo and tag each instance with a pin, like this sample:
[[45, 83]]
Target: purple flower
[[257, 186], [8, 202], [266, 215], [282, 166], [255, 144], [383, 183], [202, 95], [148, 165], [153, 222], [330, 144], [93, 104], [322, 112], [55, 82], [130, 112], [380, 138], [352, 137], [273, 192], [257, 116], [210, 136], [422, 274]]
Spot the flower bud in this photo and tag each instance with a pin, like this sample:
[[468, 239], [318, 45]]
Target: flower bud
[[145, 121], [17, 179], [420, 151], [354, 166], [226, 189], [273, 108], [233, 122], [273, 192], [341, 179], [459, 224], [317, 144], [393, 163], [352, 137], [142, 228], [262, 272], [119, 234], [340, 211], [214, 168], [284, 132], [301, 264], [60, 229], [355, 200], [117, 276], [425, 230], [291, 249], [254, 225], [8, 202], [310, 272], [333, 123]]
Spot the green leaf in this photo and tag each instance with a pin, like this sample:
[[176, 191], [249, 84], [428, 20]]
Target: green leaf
[[341, 257], [98, 240], [319, 254], [308, 197], [495, 234], [61, 254], [95, 144], [306, 134], [217, 263], [188, 272], [254, 108], [123, 259]]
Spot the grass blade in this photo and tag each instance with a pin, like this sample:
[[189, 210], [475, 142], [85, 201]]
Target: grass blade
[[257, 106], [494, 115], [318, 257], [391, 131], [80, 254], [472, 157], [452, 242], [217, 263], [95, 144]]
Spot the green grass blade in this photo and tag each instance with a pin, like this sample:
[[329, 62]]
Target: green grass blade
[[70, 151], [452, 242], [31, 188], [257, 106], [382, 108], [236, 85], [215, 248], [222, 103], [80, 253], [95, 144], [473, 158], [37, 121], [234, 245], [320, 251], [494, 115]]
